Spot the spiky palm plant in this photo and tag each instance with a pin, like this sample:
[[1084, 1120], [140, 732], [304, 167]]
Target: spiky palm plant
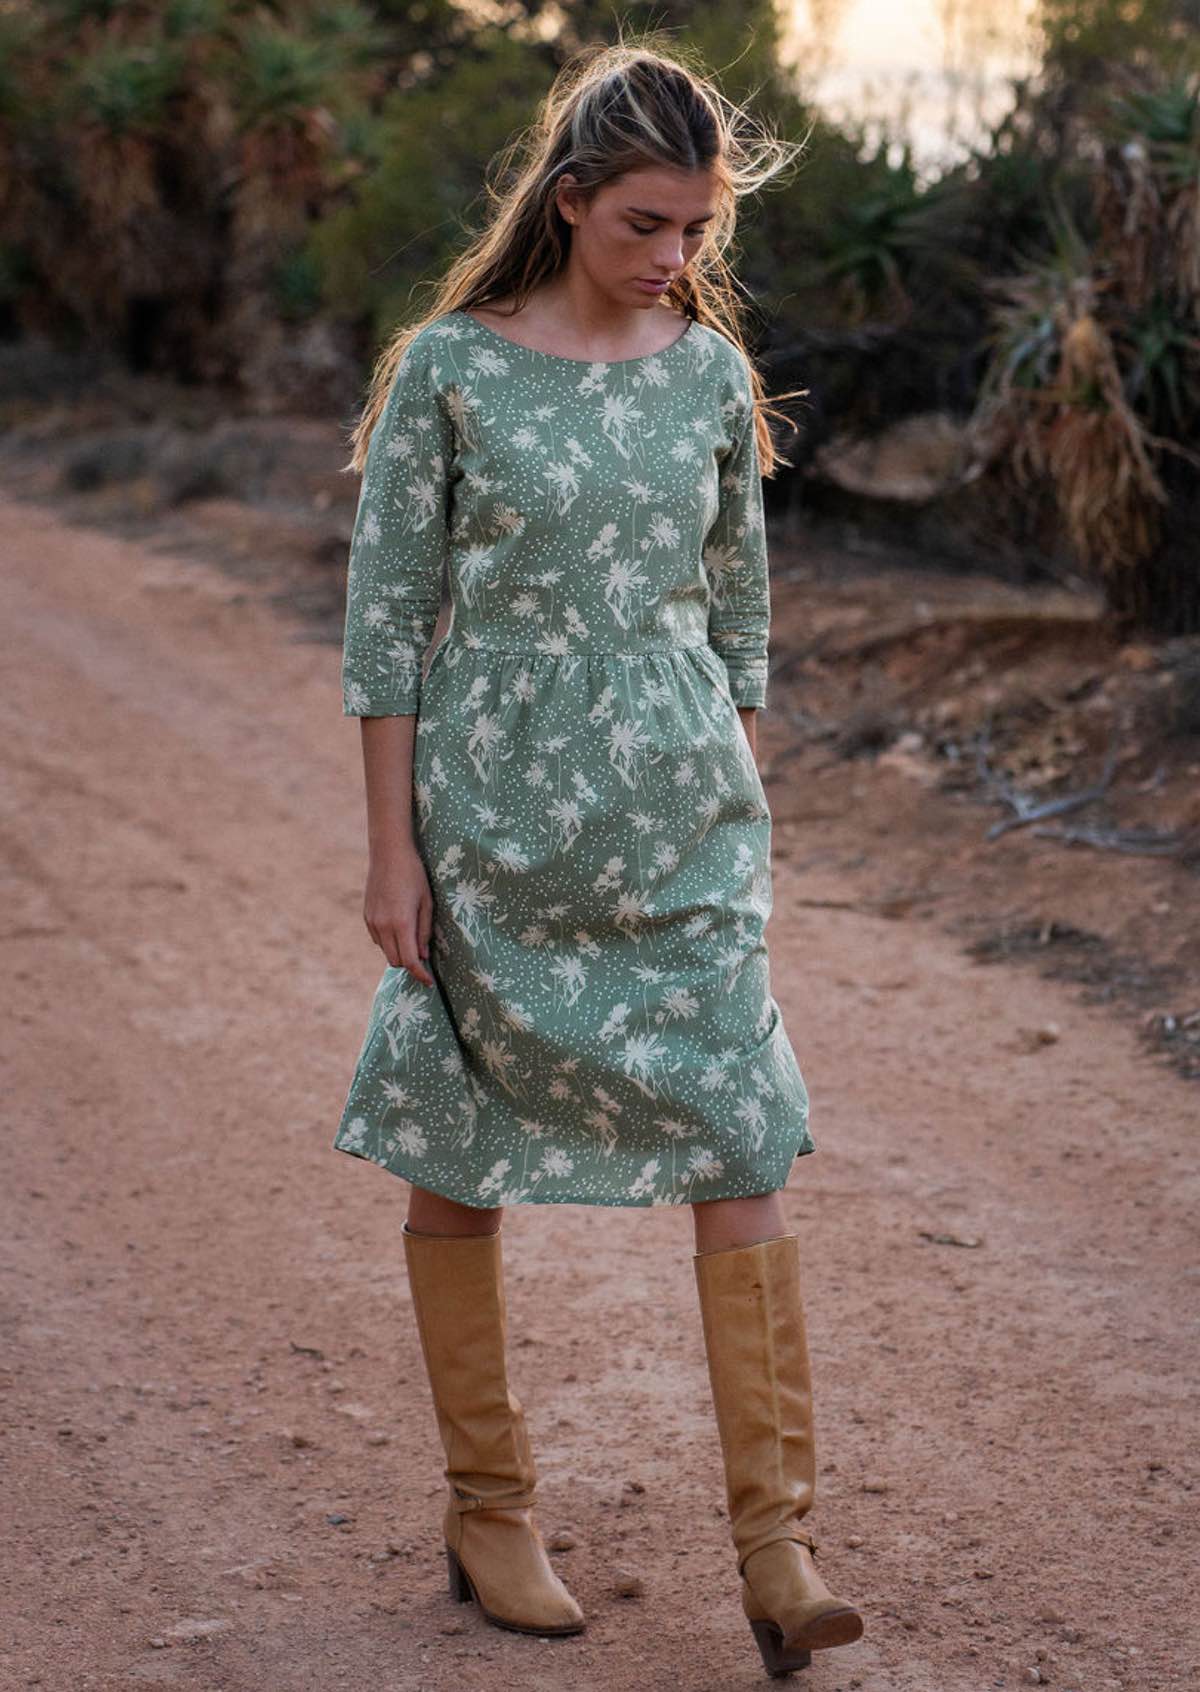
[[1148, 198], [1094, 378], [1052, 400], [161, 164]]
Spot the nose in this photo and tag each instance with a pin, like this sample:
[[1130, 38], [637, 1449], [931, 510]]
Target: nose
[[667, 258]]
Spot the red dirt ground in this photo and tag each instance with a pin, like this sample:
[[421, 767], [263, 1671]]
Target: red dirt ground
[[222, 1464]]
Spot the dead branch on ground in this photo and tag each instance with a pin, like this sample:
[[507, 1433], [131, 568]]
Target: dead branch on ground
[[987, 621], [1153, 842], [1028, 810]]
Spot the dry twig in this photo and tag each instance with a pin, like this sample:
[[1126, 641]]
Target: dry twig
[[1153, 842], [1028, 810]]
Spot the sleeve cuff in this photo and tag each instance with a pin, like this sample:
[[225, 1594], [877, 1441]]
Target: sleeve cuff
[[747, 680], [358, 701]]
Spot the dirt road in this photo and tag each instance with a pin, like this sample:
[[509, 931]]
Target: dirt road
[[222, 1468]]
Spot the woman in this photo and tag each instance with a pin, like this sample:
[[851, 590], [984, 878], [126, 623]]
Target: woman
[[569, 842]]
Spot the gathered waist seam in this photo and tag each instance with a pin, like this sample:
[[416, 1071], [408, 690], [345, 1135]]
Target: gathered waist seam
[[578, 652]]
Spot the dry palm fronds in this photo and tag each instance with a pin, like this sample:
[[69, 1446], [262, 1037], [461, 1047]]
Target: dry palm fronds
[[1095, 376], [115, 172], [1183, 230], [1150, 226], [1104, 488], [1096, 451], [1074, 426], [1129, 215], [1155, 173]]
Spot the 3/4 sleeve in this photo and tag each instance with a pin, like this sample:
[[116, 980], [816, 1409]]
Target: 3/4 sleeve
[[398, 545], [735, 562]]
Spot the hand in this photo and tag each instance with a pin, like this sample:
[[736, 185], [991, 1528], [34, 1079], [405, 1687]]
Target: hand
[[398, 909]]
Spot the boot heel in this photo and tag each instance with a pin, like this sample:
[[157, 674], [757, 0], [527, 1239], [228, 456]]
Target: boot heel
[[776, 1660], [460, 1581]]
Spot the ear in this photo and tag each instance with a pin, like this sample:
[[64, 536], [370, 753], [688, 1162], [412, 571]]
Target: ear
[[566, 198]]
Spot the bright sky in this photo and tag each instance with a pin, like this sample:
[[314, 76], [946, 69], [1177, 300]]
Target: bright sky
[[945, 60]]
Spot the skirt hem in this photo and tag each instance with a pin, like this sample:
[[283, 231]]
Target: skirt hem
[[620, 1201]]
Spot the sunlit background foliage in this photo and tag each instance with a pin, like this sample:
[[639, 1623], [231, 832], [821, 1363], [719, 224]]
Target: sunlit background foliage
[[220, 191]]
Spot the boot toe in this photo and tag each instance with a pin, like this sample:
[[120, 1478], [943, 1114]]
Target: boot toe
[[835, 1624], [550, 1612]]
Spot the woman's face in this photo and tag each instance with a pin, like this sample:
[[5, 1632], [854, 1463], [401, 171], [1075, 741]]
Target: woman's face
[[644, 228]]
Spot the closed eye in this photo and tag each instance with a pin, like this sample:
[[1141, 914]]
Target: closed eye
[[640, 231]]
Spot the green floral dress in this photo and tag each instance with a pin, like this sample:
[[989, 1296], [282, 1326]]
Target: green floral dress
[[597, 838]]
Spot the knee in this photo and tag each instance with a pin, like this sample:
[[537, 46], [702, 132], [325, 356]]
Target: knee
[[722, 1223], [751, 1205], [433, 1213]]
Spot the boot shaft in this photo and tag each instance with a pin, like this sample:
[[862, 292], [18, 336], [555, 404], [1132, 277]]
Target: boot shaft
[[457, 1285], [756, 1346]]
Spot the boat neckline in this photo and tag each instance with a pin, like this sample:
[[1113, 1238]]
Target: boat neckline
[[561, 358]]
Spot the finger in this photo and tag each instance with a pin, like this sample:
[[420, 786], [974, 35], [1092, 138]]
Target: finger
[[416, 968], [410, 959], [389, 944]]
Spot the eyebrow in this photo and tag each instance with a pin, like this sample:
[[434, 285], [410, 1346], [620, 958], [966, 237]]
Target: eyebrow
[[661, 217]]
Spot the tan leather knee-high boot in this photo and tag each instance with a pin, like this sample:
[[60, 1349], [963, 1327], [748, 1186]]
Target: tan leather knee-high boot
[[757, 1349], [494, 1550]]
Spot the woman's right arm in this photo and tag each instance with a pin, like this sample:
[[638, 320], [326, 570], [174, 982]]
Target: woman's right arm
[[393, 597], [398, 902]]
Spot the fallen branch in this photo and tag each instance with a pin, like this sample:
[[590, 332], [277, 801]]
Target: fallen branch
[[992, 621], [1029, 810], [1153, 842]]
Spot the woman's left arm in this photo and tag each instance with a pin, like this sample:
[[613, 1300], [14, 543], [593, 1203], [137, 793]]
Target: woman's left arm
[[736, 565], [749, 716]]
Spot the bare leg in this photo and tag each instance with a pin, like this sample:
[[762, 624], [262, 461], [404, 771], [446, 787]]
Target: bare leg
[[721, 1223], [430, 1213]]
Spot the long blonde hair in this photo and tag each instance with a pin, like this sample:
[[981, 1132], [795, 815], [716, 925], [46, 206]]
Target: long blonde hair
[[611, 109]]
